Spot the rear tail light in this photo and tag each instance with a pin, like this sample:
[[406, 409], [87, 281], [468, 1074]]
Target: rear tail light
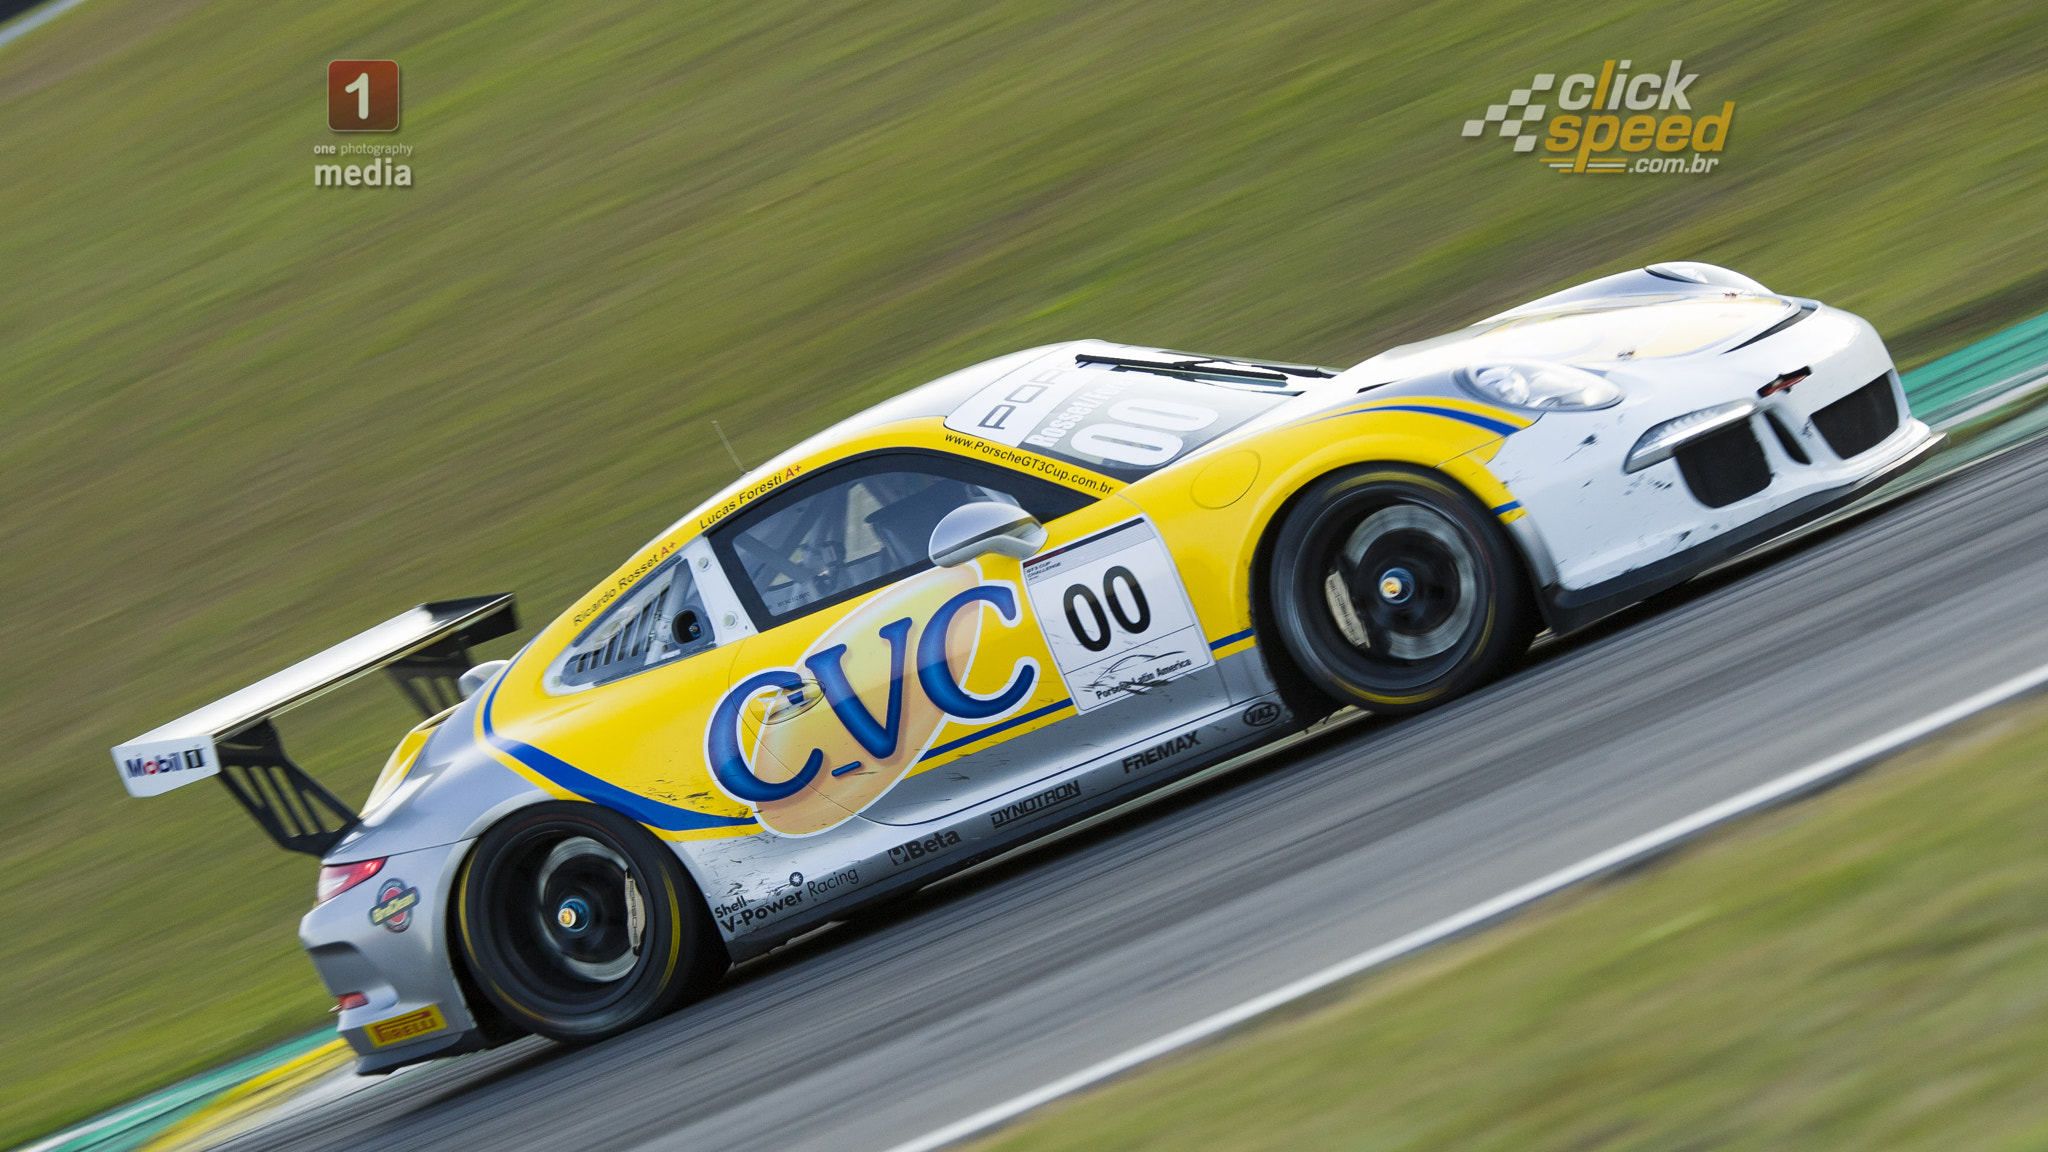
[[348, 1000], [338, 878]]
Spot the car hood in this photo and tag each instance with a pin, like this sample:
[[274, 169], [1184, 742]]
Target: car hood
[[1597, 334]]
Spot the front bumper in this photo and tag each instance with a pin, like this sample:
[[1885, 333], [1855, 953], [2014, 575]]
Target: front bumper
[[387, 938], [1600, 536], [1566, 609]]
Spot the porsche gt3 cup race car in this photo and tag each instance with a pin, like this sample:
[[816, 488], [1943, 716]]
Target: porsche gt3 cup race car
[[1026, 591]]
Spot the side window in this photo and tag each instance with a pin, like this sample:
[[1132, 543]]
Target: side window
[[662, 619], [860, 525]]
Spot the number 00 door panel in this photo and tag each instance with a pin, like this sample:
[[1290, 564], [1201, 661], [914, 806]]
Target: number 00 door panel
[[1121, 639], [1115, 614]]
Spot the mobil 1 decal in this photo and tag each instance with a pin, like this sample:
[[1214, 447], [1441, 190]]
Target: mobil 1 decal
[[1115, 614], [1123, 423]]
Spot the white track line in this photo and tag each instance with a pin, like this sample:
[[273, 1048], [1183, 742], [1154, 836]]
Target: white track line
[[1648, 844]]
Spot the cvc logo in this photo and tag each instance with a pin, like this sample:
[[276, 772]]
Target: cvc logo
[[808, 745], [1620, 120]]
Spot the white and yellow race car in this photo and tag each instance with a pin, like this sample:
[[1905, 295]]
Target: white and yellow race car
[[1000, 601]]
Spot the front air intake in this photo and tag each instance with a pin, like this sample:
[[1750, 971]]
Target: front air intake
[[1861, 420], [1724, 466]]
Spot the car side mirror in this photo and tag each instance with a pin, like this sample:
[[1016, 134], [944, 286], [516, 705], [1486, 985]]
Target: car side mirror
[[477, 677], [982, 528]]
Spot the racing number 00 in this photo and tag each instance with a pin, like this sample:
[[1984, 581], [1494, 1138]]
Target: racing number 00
[[1127, 616], [1148, 434], [1094, 633]]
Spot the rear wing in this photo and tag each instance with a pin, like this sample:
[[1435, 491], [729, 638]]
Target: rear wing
[[424, 650]]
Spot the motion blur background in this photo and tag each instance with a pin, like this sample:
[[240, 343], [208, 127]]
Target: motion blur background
[[242, 418]]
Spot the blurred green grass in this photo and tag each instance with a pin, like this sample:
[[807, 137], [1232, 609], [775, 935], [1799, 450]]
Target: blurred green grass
[[1867, 970], [241, 418]]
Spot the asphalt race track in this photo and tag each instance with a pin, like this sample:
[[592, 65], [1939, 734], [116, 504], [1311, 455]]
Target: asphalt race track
[[983, 988]]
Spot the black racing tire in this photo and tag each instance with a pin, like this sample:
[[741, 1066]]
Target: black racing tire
[[545, 913], [1392, 589]]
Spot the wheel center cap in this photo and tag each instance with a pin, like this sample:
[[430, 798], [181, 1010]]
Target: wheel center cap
[[1397, 585], [573, 915]]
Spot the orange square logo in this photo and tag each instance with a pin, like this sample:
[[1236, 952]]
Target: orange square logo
[[362, 95]]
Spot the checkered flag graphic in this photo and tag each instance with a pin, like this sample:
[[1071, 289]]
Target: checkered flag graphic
[[1517, 118]]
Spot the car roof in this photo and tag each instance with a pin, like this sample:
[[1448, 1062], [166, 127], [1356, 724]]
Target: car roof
[[936, 400]]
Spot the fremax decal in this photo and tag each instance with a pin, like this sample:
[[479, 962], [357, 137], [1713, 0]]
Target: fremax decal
[[889, 675]]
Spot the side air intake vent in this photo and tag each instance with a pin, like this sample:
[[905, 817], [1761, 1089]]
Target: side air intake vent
[[661, 619], [1724, 466], [1859, 421]]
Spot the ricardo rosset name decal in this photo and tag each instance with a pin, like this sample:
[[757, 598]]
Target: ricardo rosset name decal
[[803, 746]]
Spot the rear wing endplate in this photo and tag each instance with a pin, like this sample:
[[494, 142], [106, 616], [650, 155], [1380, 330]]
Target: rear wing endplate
[[424, 650]]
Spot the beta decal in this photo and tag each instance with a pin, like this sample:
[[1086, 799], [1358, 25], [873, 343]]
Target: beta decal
[[395, 902], [809, 745], [1115, 614], [919, 849]]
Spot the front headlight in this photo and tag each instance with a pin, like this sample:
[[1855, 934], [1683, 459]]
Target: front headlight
[[1543, 387]]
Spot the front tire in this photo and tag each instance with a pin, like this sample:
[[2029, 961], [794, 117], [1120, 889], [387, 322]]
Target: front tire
[[1394, 591], [578, 924]]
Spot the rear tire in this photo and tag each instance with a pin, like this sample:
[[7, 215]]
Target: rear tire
[[1393, 590], [578, 924]]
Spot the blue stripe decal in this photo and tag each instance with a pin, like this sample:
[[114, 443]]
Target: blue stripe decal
[[992, 729], [1508, 507], [1227, 641], [652, 813], [1488, 423]]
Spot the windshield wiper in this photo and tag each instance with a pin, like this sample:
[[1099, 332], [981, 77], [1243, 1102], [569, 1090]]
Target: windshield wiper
[[1207, 366]]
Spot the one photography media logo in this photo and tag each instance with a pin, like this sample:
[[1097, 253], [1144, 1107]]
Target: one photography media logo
[[1619, 121], [363, 96]]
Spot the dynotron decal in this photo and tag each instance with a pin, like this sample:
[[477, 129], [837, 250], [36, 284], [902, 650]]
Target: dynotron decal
[[1115, 614], [807, 746]]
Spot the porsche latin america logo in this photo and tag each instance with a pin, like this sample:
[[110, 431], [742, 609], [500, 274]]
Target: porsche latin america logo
[[1618, 121], [801, 745]]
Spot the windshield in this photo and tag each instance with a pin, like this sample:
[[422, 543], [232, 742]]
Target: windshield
[[1123, 421]]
